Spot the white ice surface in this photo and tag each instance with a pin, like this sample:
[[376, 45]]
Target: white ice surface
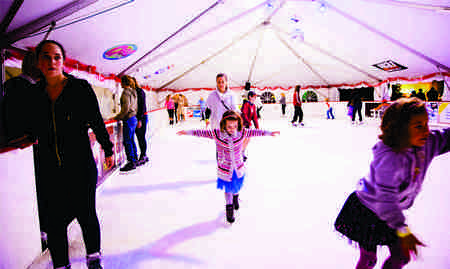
[[170, 215]]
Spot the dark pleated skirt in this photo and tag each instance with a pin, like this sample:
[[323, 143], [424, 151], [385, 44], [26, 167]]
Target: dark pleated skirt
[[360, 224]]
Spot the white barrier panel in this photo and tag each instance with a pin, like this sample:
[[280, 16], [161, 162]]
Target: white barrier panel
[[310, 110], [19, 223], [156, 120]]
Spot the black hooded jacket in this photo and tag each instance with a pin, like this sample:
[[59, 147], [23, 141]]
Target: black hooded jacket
[[62, 131]]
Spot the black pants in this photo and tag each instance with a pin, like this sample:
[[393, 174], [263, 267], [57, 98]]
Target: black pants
[[140, 134], [171, 112], [203, 114], [175, 111], [357, 107], [41, 200], [298, 113], [70, 198], [283, 109]]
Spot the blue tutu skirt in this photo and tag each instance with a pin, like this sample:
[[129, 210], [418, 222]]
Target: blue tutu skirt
[[233, 186]]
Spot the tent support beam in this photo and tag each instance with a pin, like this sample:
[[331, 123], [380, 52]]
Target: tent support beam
[[43, 21], [213, 29], [271, 76], [385, 36], [10, 15], [300, 57], [2, 94], [275, 11], [317, 48], [256, 55], [211, 57], [171, 36]]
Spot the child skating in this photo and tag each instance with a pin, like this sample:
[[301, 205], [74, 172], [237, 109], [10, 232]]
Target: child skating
[[230, 164], [372, 215]]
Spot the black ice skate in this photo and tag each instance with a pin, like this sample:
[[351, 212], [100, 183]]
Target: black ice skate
[[93, 261], [230, 213], [236, 201]]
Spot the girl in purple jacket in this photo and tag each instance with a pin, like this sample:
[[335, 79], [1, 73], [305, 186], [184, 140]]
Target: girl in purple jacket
[[230, 164], [373, 215]]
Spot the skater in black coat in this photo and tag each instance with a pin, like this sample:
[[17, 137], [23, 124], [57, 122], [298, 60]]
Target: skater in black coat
[[357, 105], [64, 109]]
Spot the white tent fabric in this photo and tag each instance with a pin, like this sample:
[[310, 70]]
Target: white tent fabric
[[303, 42]]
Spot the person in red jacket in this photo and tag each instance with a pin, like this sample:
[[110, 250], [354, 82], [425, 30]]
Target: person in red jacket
[[248, 110], [249, 114], [298, 112]]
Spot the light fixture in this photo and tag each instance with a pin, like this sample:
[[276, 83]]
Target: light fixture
[[298, 35], [322, 6]]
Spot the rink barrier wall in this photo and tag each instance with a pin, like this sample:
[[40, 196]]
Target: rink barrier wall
[[20, 243]]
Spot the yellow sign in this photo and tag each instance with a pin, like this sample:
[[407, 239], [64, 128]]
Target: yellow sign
[[408, 88]]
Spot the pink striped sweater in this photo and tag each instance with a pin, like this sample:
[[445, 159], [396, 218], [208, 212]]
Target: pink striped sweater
[[229, 149]]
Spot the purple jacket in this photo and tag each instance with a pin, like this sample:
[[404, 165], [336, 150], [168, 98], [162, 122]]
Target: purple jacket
[[395, 179], [229, 149]]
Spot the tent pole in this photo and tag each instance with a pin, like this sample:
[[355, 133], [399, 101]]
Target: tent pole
[[213, 29], [300, 57], [41, 22], [256, 55], [275, 11], [210, 57], [317, 48], [2, 80], [172, 35], [10, 15], [385, 36], [2, 71]]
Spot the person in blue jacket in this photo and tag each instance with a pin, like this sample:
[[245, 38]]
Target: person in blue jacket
[[202, 105]]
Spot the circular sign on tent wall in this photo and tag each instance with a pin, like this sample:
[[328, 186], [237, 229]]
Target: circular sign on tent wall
[[119, 52]]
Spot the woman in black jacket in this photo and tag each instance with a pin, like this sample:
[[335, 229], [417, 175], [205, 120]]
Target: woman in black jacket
[[65, 108]]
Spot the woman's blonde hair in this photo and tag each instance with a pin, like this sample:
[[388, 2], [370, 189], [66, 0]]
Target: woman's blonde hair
[[230, 115], [396, 119]]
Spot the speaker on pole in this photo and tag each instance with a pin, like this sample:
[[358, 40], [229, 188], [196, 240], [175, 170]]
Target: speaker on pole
[[247, 86]]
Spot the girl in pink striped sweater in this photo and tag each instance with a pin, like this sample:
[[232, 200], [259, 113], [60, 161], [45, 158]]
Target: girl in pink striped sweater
[[230, 164]]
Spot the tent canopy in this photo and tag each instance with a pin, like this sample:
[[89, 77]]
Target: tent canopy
[[269, 43]]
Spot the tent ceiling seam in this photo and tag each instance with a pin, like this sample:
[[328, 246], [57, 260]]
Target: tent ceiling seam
[[256, 54], [389, 38], [317, 48], [172, 35], [299, 57], [173, 49], [211, 57]]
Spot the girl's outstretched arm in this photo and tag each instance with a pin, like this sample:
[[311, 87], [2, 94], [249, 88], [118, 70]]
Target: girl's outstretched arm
[[257, 132], [200, 133]]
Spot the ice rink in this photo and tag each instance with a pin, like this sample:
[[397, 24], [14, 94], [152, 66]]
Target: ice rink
[[169, 214]]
